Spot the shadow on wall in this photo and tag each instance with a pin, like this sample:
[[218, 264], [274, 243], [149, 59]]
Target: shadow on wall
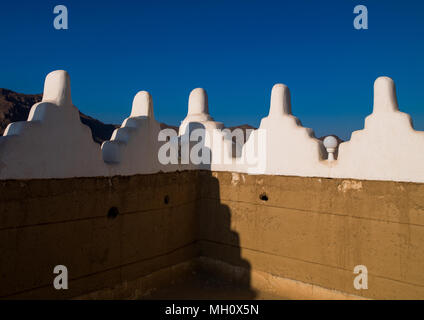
[[219, 243], [221, 272]]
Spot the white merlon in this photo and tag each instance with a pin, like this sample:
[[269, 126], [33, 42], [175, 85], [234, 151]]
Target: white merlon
[[290, 148], [200, 125], [198, 113], [134, 146], [53, 143], [388, 148]]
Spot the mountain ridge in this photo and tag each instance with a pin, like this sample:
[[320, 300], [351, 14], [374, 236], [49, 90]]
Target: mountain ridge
[[16, 106]]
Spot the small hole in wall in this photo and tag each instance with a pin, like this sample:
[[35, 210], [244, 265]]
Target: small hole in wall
[[113, 213], [263, 197], [166, 199]]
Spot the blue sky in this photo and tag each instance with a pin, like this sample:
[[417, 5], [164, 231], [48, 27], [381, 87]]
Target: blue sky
[[236, 50]]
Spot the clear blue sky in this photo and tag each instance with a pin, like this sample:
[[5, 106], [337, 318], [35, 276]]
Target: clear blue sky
[[236, 50]]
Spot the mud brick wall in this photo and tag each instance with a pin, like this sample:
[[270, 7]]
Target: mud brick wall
[[44, 223], [316, 230], [311, 230]]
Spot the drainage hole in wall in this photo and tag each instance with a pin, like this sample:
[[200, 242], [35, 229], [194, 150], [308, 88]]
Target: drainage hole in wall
[[166, 199], [113, 213], [263, 197]]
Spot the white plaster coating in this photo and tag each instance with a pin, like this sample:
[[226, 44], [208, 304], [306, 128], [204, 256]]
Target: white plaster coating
[[388, 148], [198, 113], [290, 148], [134, 146], [198, 103], [57, 88], [142, 105], [53, 143], [199, 119]]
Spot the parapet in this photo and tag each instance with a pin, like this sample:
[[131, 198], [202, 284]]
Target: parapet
[[53, 143]]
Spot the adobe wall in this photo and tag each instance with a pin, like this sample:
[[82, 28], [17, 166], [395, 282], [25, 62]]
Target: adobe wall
[[313, 231], [44, 223]]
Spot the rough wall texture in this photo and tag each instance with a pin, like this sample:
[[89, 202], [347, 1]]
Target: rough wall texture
[[317, 230], [312, 230], [44, 223]]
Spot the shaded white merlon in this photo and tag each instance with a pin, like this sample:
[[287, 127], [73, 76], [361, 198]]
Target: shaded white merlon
[[198, 116], [198, 123], [134, 146]]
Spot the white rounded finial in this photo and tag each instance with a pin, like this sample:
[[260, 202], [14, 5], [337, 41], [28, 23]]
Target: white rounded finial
[[57, 88], [280, 100], [142, 105], [385, 95], [330, 143], [198, 102]]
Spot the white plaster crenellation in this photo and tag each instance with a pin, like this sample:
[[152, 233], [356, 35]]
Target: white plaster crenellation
[[53, 143]]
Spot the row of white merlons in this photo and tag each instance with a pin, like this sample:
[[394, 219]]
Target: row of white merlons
[[53, 143]]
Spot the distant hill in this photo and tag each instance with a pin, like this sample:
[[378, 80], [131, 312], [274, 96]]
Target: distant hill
[[16, 106]]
